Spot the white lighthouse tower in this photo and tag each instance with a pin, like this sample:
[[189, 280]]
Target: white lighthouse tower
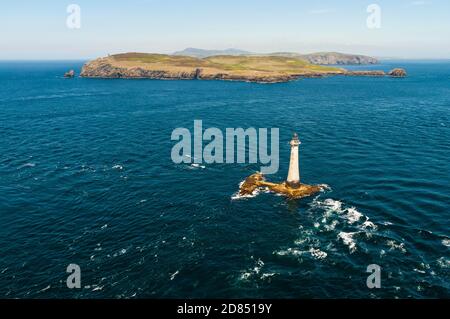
[[293, 178]]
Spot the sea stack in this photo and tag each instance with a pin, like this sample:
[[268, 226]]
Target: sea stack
[[70, 74], [397, 73]]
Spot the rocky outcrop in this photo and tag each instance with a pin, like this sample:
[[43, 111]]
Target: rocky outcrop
[[257, 181], [336, 58], [366, 73], [105, 70], [69, 74], [398, 73]]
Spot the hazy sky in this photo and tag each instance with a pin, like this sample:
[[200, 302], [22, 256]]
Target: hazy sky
[[38, 30]]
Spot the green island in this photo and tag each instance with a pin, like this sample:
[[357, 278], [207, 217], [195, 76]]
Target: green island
[[250, 68]]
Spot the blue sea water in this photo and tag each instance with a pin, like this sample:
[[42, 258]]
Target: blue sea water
[[86, 177]]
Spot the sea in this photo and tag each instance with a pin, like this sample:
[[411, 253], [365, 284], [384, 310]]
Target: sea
[[87, 179]]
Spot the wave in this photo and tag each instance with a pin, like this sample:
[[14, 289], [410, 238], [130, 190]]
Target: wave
[[348, 240], [194, 165], [53, 96], [237, 196], [27, 165], [334, 223], [256, 272]]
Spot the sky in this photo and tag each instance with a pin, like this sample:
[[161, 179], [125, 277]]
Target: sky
[[412, 29]]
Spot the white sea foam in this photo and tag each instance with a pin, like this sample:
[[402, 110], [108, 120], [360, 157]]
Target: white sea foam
[[117, 166], [236, 195], [172, 276], [45, 289], [332, 226], [27, 165], [259, 264], [317, 253], [395, 246], [301, 241], [348, 240], [446, 242], [121, 252], [444, 262], [324, 187], [267, 275], [332, 205], [289, 252], [195, 165], [369, 224], [353, 215]]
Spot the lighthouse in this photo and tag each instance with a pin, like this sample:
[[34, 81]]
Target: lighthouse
[[293, 178]]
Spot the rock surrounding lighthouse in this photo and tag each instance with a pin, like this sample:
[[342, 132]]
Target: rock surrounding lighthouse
[[291, 188]]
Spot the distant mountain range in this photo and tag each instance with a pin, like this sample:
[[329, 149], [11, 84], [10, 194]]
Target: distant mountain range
[[321, 58]]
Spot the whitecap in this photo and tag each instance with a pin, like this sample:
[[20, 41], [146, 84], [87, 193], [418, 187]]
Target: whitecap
[[301, 241], [446, 242], [267, 275], [369, 224], [332, 226], [324, 187], [317, 253], [195, 165], [236, 195], [245, 275], [443, 262], [172, 276], [117, 166], [289, 252], [254, 271], [332, 205], [395, 246], [121, 252], [348, 240], [419, 271], [45, 289], [27, 165], [353, 215]]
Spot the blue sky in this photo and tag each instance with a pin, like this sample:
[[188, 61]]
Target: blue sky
[[409, 28]]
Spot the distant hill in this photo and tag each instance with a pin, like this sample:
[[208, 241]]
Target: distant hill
[[201, 53], [320, 58], [338, 58]]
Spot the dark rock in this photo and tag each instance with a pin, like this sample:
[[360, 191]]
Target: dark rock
[[366, 73], [69, 74], [398, 73]]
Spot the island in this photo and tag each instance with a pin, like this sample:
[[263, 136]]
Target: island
[[249, 68]]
